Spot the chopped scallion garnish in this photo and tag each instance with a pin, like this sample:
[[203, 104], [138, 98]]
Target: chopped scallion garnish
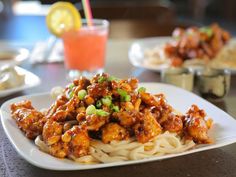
[[91, 109], [107, 101], [124, 95], [141, 89], [81, 94], [71, 86], [115, 108], [101, 112], [101, 79], [71, 94], [121, 92], [207, 30], [99, 104], [127, 98], [112, 78]]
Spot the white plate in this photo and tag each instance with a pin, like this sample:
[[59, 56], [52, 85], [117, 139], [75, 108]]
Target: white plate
[[10, 55], [138, 48], [31, 80], [223, 130]]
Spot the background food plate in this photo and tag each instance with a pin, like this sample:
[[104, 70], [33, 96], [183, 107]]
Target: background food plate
[[138, 48], [223, 131], [31, 80], [11, 55]]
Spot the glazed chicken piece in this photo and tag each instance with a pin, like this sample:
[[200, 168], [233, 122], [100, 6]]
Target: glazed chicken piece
[[162, 111], [29, 120], [83, 83], [98, 78], [74, 142], [94, 122], [113, 131], [148, 99], [52, 132], [127, 118], [196, 126], [59, 149], [23, 104], [78, 141], [58, 104], [63, 109], [147, 128], [173, 124], [97, 90]]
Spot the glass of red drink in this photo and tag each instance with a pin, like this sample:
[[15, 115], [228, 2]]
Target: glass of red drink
[[85, 49]]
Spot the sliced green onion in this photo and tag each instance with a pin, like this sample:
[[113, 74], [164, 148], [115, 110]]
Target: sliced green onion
[[101, 112], [71, 86], [99, 104], [121, 92], [124, 95], [106, 101], [71, 94], [115, 108], [207, 30], [101, 79], [127, 98], [141, 89], [81, 94], [91, 109], [113, 78]]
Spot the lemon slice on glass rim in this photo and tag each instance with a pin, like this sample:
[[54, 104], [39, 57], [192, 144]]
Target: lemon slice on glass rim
[[63, 16]]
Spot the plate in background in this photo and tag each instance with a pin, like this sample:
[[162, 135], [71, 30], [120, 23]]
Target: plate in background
[[138, 48], [10, 55], [31, 80]]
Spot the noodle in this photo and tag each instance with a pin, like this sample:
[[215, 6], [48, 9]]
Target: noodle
[[166, 143]]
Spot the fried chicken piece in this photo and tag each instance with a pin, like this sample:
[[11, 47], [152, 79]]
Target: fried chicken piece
[[83, 83], [94, 122], [148, 99], [29, 120], [52, 132], [162, 111], [59, 149], [23, 104], [196, 126], [79, 142], [173, 124], [97, 90], [133, 82], [113, 131], [127, 118], [58, 104], [147, 128], [74, 142]]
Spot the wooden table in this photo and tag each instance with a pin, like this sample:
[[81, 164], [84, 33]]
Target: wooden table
[[219, 162]]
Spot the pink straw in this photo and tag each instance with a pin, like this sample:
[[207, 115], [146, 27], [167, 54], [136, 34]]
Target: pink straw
[[88, 12]]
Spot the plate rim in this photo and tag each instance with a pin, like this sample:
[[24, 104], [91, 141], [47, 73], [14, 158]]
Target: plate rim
[[231, 140]]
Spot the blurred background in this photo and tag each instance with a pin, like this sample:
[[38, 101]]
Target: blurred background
[[23, 19]]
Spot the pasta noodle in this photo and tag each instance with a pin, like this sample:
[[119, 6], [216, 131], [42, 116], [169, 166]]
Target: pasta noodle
[[166, 143]]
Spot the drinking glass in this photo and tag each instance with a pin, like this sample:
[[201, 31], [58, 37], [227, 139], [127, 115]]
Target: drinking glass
[[85, 49]]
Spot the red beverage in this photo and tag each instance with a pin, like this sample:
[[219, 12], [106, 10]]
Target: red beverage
[[85, 49]]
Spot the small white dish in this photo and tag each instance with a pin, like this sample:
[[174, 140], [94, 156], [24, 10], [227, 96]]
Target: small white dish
[[10, 55], [223, 131], [139, 47], [31, 80]]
